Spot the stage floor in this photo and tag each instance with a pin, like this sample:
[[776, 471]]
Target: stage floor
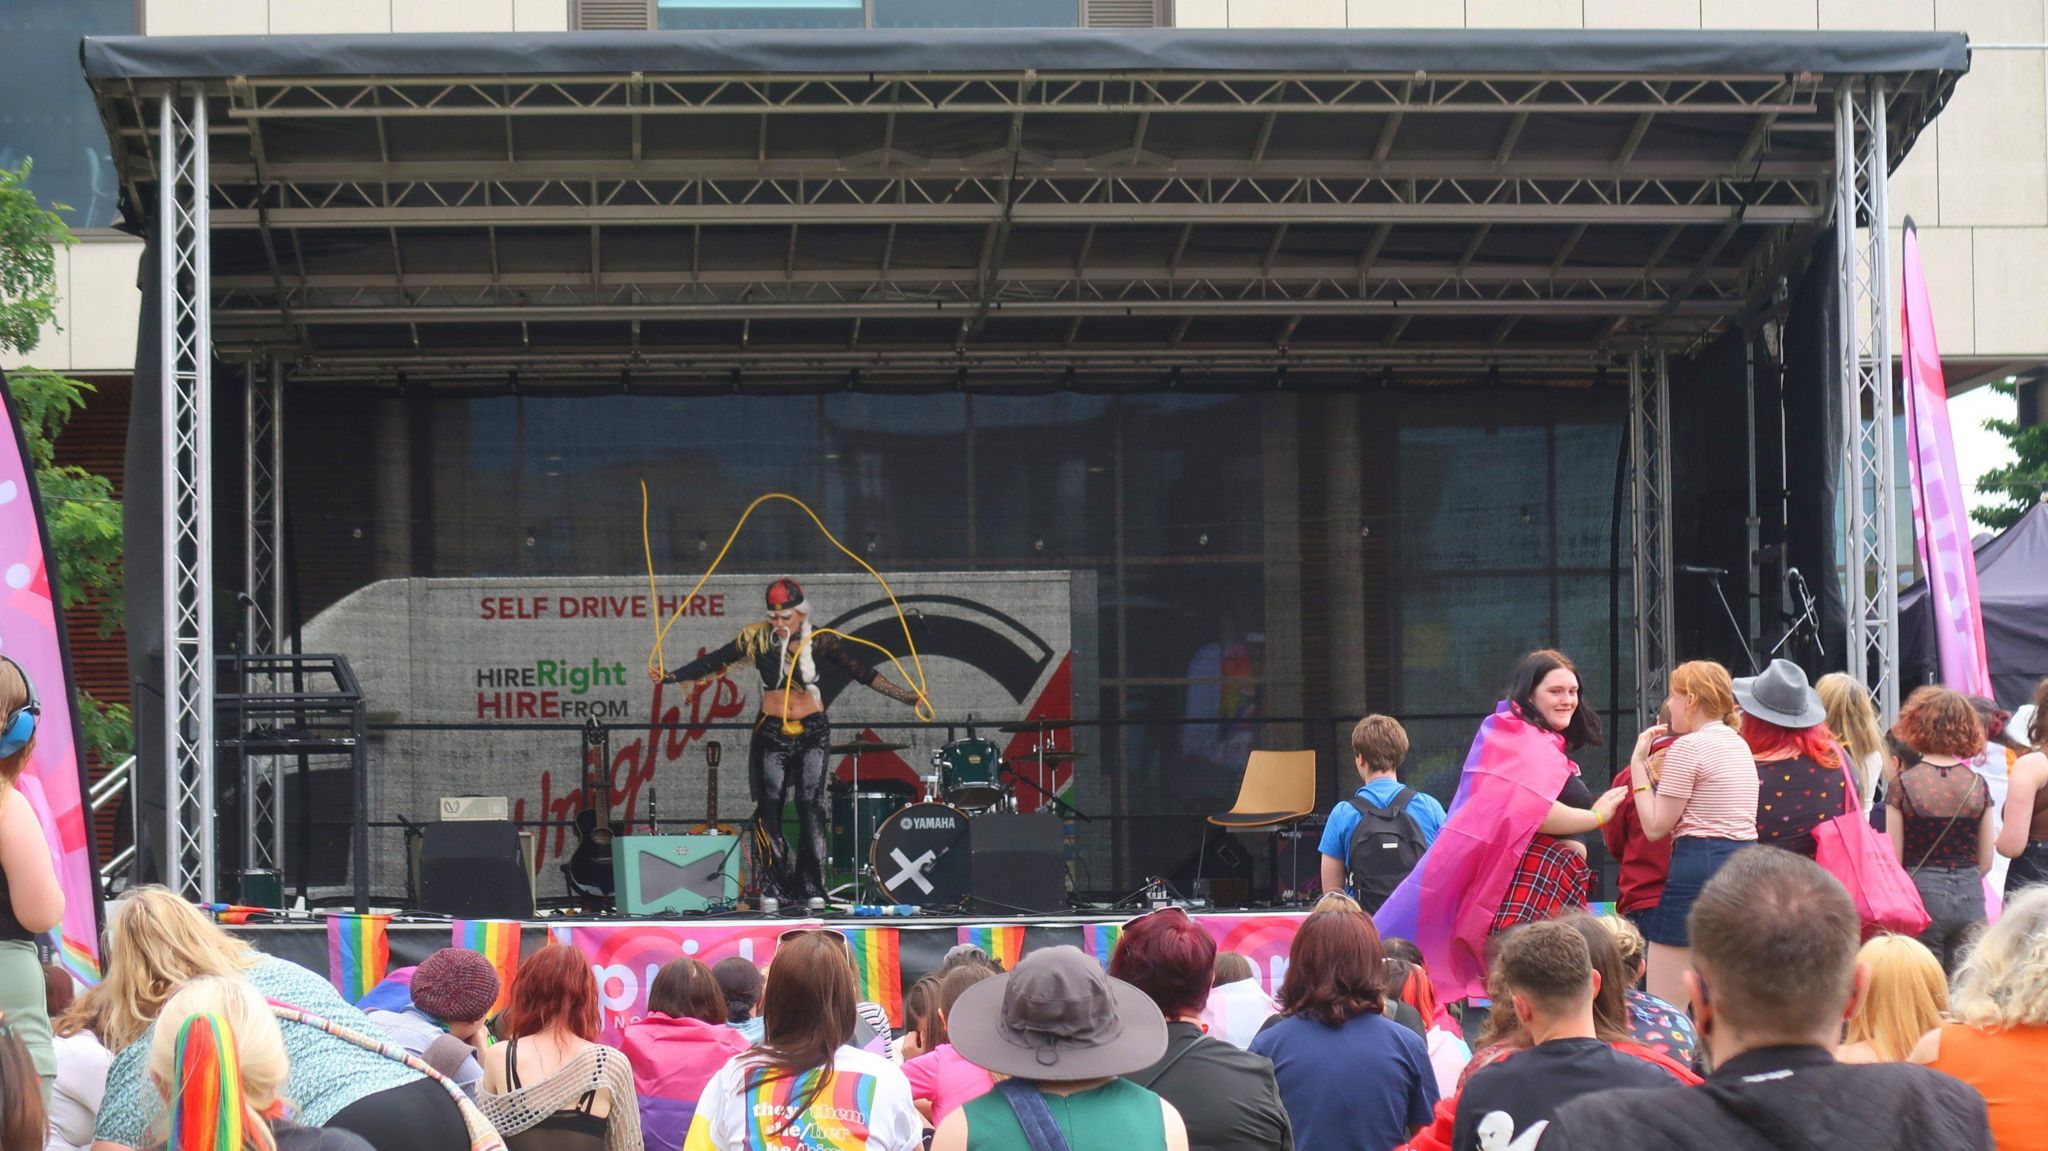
[[356, 952]]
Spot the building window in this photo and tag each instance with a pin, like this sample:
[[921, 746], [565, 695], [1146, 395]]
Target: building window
[[46, 111]]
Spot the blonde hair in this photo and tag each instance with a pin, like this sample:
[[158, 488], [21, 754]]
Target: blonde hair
[[1331, 902], [156, 944], [1907, 998], [1628, 940], [2004, 981], [13, 697], [1853, 718], [258, 1044], [1706, 683]]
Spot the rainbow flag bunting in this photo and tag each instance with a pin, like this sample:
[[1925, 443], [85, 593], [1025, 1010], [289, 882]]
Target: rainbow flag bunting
[[878, 958], [1099, 940], [1003, 943], [358, 953], [498, 940]]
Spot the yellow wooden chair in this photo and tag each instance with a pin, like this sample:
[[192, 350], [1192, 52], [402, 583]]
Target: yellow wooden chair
[[1278, 790]]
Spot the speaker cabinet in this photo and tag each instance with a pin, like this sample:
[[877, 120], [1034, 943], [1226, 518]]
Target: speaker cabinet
[[656, 874], [475, 870], [1019, 864]]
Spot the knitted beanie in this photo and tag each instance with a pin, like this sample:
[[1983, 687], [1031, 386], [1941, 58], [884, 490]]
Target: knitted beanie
[[455, 985]]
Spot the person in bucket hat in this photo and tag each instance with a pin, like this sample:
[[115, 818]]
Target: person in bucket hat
[[1799, 761], [1060, 1031]]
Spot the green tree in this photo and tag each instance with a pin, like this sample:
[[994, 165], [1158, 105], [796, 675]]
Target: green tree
[[84, 518], [2024, 482]]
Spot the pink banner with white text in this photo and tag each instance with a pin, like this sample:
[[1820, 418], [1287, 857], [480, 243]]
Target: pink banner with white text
[[626, 958], [32, 635], [1941, 520]]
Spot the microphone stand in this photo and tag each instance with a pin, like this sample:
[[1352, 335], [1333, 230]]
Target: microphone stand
[[1748, 651], [1061, 805]]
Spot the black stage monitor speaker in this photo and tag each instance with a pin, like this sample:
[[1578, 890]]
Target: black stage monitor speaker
[[1019, 864], [475, 870]]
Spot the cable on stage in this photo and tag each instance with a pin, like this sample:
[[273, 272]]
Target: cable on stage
[[657, 659]]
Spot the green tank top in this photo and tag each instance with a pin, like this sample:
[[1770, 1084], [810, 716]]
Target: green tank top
[[1118, 1114]]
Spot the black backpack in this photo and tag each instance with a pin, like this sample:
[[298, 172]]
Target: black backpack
[[1384, 848]]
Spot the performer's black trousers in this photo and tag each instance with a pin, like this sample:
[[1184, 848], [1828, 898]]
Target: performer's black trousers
[[778, 764]]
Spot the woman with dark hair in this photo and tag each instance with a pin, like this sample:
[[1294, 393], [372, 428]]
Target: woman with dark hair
[[1350, 1076], [21, 1094], [805, 1084], [551, 1086], [677, 1048], [740, 981], [1227, 1097], [922, 1029], [1945, 826], [1704, 799], [1506, 854], [1238, 1004], [82, 1063], [2024, 836]]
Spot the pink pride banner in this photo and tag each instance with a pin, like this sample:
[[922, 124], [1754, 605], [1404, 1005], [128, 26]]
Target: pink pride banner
[[1263, 938], [1941, 521], [625, 958], [32, 635]]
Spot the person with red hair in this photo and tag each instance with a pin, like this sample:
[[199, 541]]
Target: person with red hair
[[1946, 825], [1226, 1096], [1351, 1077], [1801, 783], [552, 1086]]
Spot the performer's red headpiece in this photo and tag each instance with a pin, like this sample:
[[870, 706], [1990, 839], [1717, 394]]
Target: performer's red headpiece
[[785, 594]]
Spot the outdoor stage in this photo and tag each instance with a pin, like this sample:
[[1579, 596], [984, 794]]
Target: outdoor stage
[[357, 951]]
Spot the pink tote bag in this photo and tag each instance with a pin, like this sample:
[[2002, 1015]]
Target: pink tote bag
[[1861, 857]]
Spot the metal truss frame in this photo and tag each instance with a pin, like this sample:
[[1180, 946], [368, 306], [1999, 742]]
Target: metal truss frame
[[1869, 466], [263, 610], [1649, 430], [1719, 228], [186, 361]]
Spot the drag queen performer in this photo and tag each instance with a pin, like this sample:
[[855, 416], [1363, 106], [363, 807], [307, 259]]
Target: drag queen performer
[[792, 736]]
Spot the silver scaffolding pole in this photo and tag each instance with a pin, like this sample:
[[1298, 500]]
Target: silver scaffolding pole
[[262, 611], [1649, 393], [185, 329], [1869, 465]]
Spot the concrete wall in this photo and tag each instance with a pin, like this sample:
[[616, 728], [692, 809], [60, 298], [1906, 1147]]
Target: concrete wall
[[1976, 183]]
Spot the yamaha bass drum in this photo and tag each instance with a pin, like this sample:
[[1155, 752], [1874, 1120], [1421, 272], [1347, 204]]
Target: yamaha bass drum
[[921, 855]]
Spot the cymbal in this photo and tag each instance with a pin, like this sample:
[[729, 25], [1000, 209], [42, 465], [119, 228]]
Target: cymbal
[[1050, 757], [864, 745], [1036, 725]]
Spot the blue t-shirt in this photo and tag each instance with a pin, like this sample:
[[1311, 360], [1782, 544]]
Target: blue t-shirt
[[1427, 813], [1359, 1087]]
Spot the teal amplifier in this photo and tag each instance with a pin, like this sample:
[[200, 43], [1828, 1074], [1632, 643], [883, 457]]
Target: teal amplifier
[[653, 874]]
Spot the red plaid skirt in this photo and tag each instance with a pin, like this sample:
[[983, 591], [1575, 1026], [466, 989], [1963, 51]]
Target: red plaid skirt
[[1550, 880]]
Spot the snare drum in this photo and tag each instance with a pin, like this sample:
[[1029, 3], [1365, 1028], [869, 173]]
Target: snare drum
[[967, 773], [921, 855], [856, 816]]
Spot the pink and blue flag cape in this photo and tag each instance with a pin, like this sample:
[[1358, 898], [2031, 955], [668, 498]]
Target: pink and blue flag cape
[[1446, 905], [32, 634], [1939, 514]]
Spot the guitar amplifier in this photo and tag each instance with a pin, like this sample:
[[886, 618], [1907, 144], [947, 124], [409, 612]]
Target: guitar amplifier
[[652, 874]]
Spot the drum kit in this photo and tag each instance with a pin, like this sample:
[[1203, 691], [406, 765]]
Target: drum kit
[[900, 844]]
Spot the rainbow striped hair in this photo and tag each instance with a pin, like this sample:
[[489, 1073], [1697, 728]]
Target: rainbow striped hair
[[219, 1069], [207, 1111]]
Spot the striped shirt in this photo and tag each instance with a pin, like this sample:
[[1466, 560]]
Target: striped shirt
[[1712, 770]]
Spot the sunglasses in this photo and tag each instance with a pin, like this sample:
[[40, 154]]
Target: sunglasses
[[833, 934]]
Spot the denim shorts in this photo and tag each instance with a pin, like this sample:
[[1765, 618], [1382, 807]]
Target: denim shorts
[[1694, 860]]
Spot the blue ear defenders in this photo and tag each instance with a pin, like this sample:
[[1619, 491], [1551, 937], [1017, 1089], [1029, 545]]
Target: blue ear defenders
[[20, 726]]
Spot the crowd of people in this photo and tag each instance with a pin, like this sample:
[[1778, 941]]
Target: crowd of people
[[1450, 991]]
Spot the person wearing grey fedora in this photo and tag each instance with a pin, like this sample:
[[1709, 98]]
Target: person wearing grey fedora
[[1063, 1032], [1801, 783]]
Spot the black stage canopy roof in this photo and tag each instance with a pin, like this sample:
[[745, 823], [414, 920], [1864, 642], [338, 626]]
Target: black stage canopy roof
[[1004, 208]]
